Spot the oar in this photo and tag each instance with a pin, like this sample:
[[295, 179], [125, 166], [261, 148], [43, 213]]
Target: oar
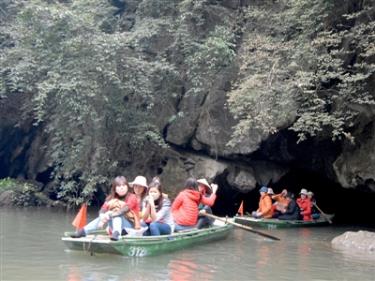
[[320, 210], [248, 228]]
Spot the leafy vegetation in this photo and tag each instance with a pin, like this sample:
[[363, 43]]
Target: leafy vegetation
[[92, 88], [307, 61]]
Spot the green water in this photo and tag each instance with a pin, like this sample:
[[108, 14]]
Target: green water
[[31, 249]]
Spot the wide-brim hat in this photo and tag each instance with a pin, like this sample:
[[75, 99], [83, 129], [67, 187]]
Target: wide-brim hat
[[205, 183], [303, 191], [270, 191], [139, 180], [263, 189]]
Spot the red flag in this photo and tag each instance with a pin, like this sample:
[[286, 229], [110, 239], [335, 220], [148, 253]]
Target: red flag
[[81, 218], [240, 209]]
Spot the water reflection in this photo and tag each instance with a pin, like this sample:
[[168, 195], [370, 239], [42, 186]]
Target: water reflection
[[304, 249], [186, 270]]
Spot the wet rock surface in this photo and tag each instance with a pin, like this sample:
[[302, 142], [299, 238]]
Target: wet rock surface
[[356, 242]]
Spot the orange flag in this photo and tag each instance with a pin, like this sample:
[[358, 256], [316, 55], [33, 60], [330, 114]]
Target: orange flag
[[240, 209], [81, 218]]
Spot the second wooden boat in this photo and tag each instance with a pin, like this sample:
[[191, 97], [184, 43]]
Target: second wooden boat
[[276, 223]]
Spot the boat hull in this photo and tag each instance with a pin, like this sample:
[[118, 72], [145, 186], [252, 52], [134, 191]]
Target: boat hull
[[146, 245], [276, 223]]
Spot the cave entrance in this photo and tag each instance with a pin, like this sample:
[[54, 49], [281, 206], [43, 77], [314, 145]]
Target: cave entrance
[[350, 206]]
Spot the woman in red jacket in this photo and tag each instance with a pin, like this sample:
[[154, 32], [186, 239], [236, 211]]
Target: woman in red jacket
[[185, 206], [304, 204]]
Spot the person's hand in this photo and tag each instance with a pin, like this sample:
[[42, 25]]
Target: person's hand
[[202, 212], [214, 188], [151, 201]]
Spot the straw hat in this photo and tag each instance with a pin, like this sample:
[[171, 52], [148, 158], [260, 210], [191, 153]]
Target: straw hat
[[303, 191], [139, 180], [270, 191], [204, 182]]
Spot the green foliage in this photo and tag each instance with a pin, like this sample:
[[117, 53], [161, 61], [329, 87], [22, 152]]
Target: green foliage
[[9, 184], [24, 193], [84, 91], [206, 59], [344, 66], [303, 63]]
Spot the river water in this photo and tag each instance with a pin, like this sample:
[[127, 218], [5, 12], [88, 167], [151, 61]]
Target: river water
[[31, 249]]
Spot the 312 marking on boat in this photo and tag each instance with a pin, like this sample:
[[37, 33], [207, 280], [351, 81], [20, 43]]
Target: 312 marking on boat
[[137, 252]]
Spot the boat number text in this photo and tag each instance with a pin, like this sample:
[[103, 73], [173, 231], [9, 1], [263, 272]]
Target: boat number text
[[137, 252]]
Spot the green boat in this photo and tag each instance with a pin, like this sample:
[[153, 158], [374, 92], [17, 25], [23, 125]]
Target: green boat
[[99, 242], [276, 223]]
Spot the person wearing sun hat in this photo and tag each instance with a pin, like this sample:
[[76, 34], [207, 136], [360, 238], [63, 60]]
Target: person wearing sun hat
[[205, 189], [305, 205], [265, 205], [270, 191], [185, 206], [139, 186]]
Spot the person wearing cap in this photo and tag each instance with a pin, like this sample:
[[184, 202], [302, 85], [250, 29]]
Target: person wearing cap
[[205, 189], [265, 205], [185, 207], [315, 214], [304, 204]]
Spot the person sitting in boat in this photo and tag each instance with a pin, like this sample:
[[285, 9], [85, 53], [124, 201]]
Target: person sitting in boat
[[139, 186], [206, 190], [185, 207], [114, 213], [304, 204], [315, 214], [265, 205], [157, 211], [280, 204], [291, 212]]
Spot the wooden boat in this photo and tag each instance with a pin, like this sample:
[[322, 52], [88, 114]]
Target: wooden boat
[[276, 223], [99, 242]]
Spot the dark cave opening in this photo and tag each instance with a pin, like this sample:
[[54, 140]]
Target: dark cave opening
[[350, 206]]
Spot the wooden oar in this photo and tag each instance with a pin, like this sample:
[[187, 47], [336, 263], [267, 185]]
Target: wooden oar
[[328, 219], [248, 228]]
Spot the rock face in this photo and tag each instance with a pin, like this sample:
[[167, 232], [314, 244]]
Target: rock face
[[356, 242], [356, 164]]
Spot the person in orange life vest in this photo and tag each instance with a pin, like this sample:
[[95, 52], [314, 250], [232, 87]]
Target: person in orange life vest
[[304, 204], [139, 186], [265, 205], [118, 203], [157, 211], [206, 190], [185, 206], [315, 214], [291, 212], [280, 204]]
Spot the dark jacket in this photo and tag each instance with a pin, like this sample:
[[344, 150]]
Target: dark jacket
[[292, 211]]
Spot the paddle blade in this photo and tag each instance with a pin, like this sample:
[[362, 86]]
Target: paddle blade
[[81, 218], [240, 209]]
